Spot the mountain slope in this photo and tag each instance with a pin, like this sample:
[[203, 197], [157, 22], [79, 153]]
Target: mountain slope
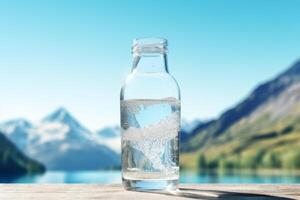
[[61, 143], [109, 136], [13, 162], [267, 120], [109, 132], [17, 131]]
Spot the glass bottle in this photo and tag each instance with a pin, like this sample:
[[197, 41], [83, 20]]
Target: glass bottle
[[150, 120]]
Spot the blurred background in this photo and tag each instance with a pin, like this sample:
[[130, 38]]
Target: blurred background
[[62, 64]]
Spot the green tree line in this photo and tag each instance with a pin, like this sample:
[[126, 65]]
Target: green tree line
[[260, 160]]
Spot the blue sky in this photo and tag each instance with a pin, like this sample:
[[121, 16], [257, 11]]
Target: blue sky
[[76, 54]]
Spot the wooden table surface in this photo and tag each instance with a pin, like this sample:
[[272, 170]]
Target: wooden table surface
[[186, 191]]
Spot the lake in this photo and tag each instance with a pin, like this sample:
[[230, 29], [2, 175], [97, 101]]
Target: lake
[[105, 177]]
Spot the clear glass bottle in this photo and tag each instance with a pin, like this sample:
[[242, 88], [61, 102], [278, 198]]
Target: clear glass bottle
[[150, 120]]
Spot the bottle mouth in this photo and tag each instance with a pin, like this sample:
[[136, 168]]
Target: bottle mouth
[[149, 46]]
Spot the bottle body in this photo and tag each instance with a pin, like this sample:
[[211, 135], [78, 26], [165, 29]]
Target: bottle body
[[150, 124]]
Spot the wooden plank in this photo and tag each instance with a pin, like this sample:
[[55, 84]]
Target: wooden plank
[[94, 191]]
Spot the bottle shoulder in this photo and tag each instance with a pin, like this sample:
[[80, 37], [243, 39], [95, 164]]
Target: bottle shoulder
[[150, 85], [135, 78]]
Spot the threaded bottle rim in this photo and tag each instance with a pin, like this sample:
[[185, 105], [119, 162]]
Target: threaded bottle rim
[[149, 45]]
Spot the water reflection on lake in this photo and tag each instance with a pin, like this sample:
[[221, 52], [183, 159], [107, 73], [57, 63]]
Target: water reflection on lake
[[240, 177], [105, 177]]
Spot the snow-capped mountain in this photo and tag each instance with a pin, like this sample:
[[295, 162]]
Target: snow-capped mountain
[[61, 115], [61, 143], [110, 136], [60, 125], [18, 131], [109, 132]]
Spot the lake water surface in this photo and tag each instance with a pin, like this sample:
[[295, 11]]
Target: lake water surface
[[105, 177]]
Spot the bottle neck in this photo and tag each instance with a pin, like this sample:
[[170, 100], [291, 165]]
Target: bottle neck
[[156, 63]]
